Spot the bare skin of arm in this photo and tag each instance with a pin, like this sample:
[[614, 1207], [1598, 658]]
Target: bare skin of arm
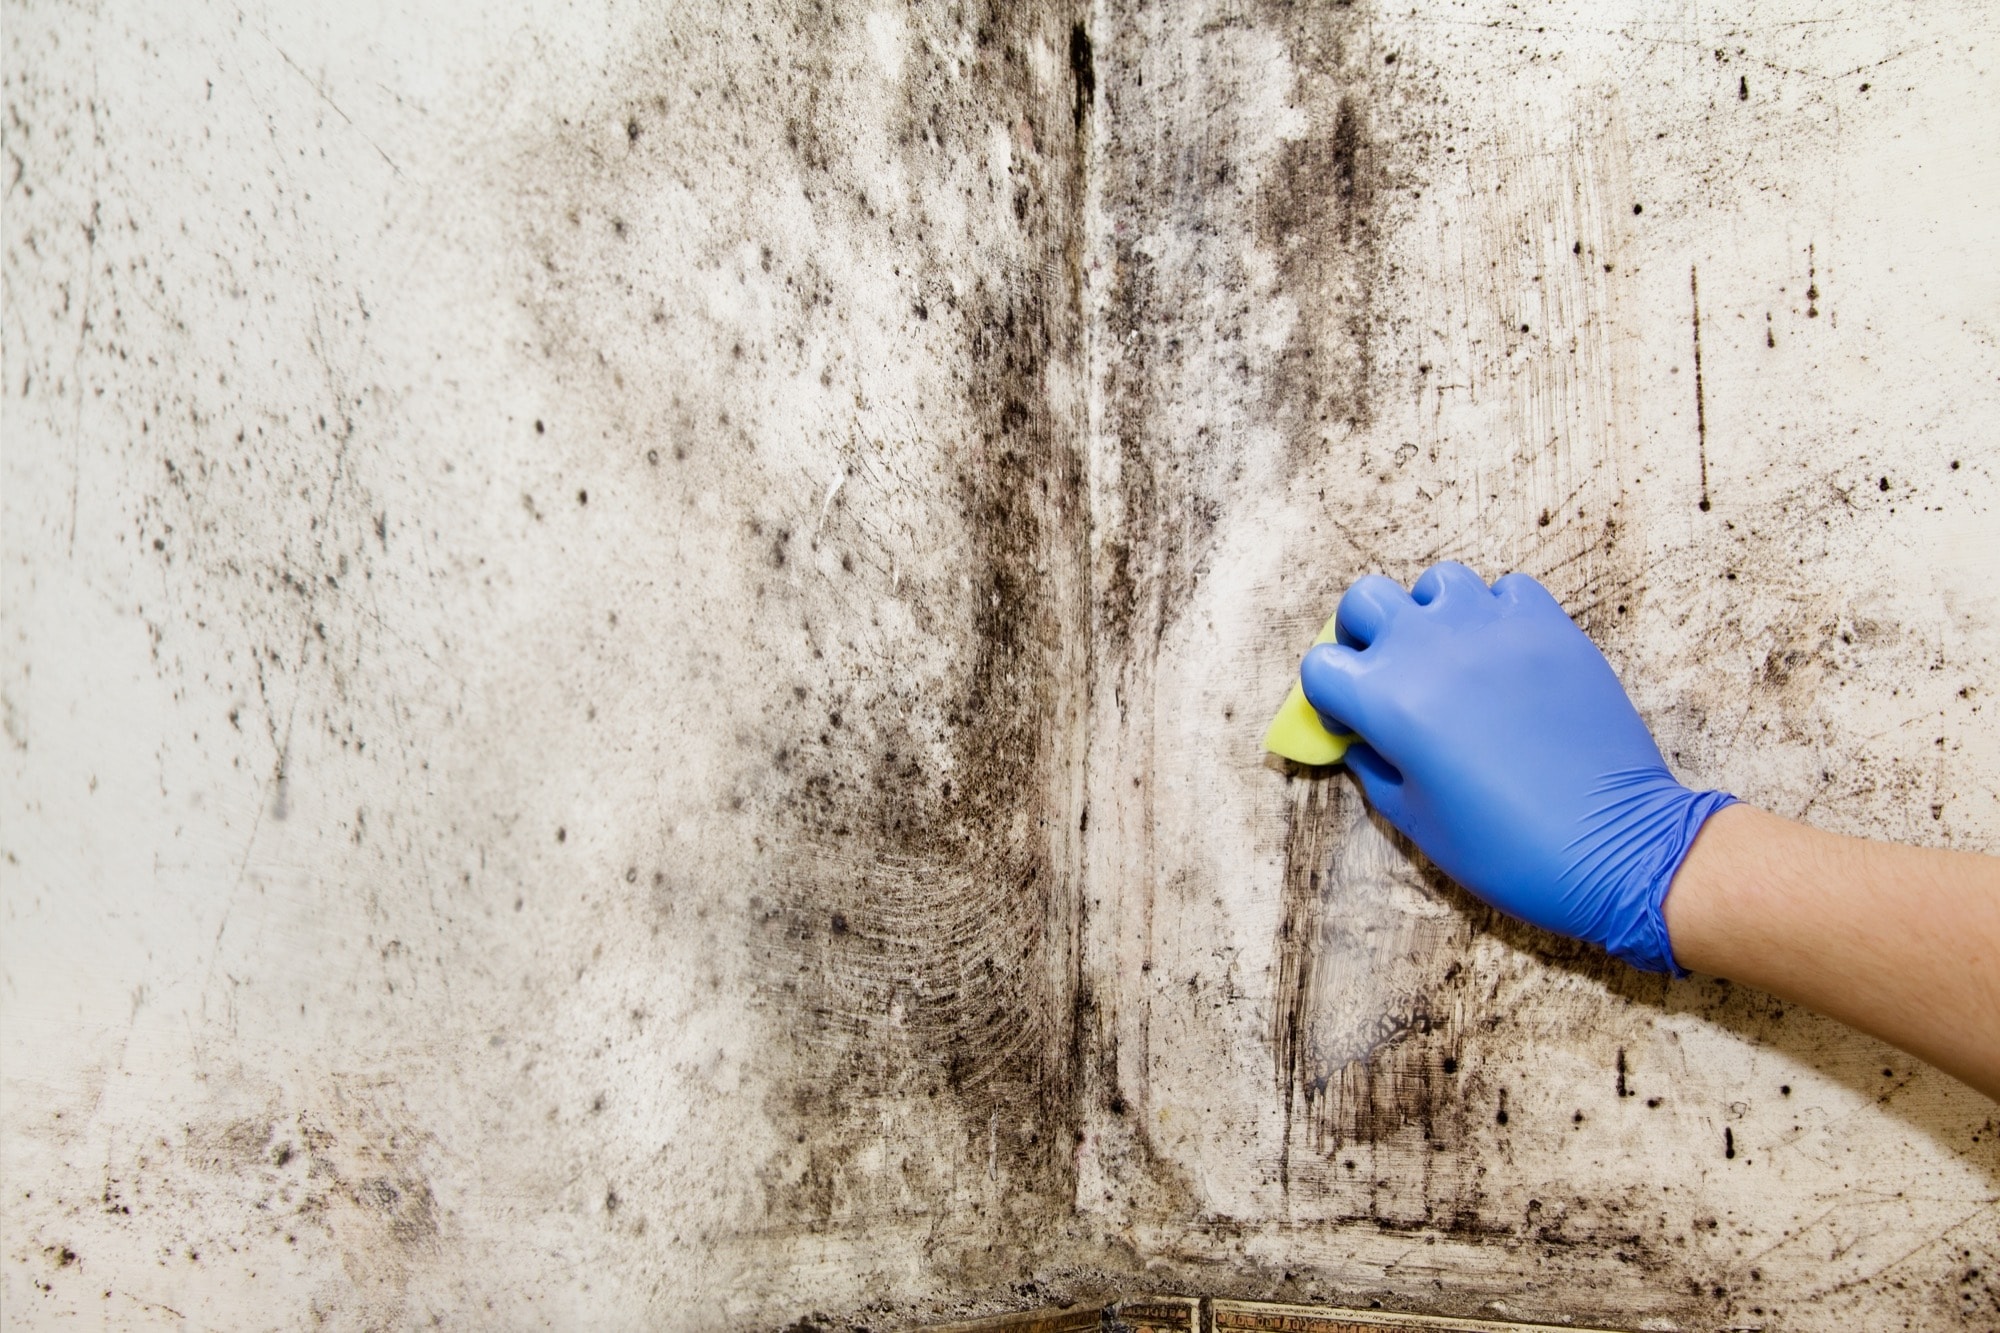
[[1900, 942]]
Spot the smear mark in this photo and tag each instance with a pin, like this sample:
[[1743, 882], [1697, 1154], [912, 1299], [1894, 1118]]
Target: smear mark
[[1306, 846]]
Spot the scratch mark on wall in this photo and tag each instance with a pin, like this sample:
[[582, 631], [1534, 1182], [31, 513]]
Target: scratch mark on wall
[[1700, 393], [320, 91]]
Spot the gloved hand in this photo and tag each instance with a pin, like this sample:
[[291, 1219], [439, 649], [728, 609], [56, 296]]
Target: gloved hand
[[1498, 739]]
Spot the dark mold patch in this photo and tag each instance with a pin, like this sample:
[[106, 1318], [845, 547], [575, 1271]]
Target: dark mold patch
[[1316, 213], [923, 824], [1082, 71], [911, 911], [1318, 217]]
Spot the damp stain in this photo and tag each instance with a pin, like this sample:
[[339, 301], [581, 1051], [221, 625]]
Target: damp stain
[[901, 552], [1318, 217], [949, 979]]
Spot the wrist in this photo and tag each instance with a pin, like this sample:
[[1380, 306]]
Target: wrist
[[1711, 909], [1671, 828]]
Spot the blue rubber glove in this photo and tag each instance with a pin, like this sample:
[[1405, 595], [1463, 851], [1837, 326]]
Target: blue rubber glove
[[1498, 739]]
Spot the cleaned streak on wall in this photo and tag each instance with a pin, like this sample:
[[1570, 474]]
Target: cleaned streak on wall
[[635, 645]]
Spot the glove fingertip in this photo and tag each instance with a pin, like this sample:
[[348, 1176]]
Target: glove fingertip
[[1322, 658], [1520, 587], [1328, 677], [1368, 607]]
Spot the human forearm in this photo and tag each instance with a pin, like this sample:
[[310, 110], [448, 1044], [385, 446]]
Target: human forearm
[[1901, 942], [1495, 736]]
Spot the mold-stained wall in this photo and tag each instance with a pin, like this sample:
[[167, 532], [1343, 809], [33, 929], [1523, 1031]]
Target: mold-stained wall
[[1686, 319], [546, 603], [634, 646]]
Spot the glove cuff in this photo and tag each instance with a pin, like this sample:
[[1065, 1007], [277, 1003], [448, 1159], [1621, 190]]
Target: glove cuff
[[1647, 947]]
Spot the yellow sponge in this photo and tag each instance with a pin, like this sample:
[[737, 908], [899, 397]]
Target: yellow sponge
[[1296, 733]]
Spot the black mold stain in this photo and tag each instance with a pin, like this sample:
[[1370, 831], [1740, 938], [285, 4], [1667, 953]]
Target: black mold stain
[[1006, 1008], [911, 911], [1317, 212], [1319, 218], [1082, 71], [958, 916]]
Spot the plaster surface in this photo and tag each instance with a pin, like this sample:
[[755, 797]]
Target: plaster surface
[[634, 643]]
